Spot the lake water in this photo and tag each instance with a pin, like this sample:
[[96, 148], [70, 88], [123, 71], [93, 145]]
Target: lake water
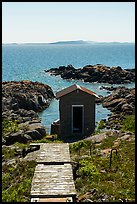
[[28, 62]]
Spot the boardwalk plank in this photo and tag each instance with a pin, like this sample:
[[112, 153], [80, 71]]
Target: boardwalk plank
[[54, 152], [53, 175]]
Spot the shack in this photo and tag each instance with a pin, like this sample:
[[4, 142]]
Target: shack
[[77, 111]]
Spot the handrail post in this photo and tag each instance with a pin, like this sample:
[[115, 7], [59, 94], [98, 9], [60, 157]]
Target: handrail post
[[111, 156], [91, 148]]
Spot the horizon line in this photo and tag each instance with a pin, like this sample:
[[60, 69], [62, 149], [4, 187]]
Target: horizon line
[[61, 41]]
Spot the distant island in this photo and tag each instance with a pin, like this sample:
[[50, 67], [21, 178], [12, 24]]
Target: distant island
[[72, 42], [87, 42]]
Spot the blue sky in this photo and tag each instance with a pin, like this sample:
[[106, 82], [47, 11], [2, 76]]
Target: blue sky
[[58, 21]]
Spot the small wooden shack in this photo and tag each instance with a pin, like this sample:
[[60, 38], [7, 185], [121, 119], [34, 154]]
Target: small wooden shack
[[77, 111]]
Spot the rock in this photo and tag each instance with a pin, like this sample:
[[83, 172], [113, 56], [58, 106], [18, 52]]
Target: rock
[[112, 103], [31, 149], [126, 136], [108, 88], [127, 107], [84, 75], [68, 75], [97, 138], [26, 95], [96, 73], [34, 134], [118, 107], [34, 121], [15, 137], [41, 100], [24, 125], [21, 101], [28, 137], [15, 106], [38, 127], [119, 97], [99, 100], [121, 102], [20, 115], [29, 130]]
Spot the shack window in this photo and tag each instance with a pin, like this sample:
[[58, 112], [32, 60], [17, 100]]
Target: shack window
[[77, 119]]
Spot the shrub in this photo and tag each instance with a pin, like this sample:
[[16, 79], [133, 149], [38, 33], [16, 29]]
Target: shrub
[[101, 124], [129, 123], [84, 144], [88, 169], [8, 152], [9, 126]]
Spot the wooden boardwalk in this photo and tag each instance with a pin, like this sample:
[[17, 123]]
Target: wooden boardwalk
[[53, 177]]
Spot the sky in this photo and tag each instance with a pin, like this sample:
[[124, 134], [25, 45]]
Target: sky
[[44, 22]]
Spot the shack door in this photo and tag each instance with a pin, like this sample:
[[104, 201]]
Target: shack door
[[77, 119]]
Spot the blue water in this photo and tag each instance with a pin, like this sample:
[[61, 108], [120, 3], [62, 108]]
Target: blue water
[[28, 62]]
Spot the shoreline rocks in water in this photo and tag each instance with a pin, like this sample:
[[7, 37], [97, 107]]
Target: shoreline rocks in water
[[95, 73], [120, 102], [25, 95], [20, 102]]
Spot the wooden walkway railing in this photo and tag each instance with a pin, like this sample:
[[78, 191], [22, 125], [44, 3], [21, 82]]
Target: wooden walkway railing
[[53, 177]]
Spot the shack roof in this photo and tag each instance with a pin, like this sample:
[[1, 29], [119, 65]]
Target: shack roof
[[73, 88]]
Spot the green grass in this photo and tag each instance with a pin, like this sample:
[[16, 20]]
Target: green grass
[[108, 142], [16, 181], [9, 126], [45, 140], [129, 123], [101, 125], [82, 147], [10, 152], [117, 181]]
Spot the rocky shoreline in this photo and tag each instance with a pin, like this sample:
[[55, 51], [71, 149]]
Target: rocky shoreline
[[20, 102], [120, 102], [95, 73]]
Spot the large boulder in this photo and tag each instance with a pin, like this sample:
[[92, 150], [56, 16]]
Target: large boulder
[[127, 108], [27, 131], [38, 127], [34, 134], [67, 74], [25, 95], [121, 102], [16, 137], [113, 103]]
